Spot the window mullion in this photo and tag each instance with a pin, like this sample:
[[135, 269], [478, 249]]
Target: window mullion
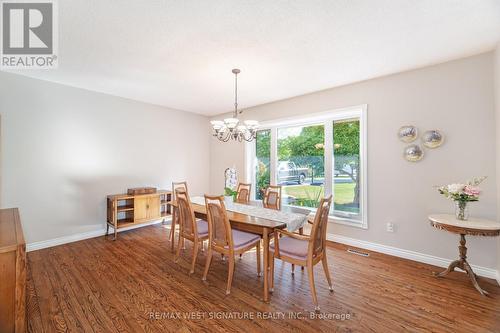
[[328, 156], [274, 156], [251, 164]]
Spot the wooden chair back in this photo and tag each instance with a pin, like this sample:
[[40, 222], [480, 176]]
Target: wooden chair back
[[179, 185], [317, 243], [186, 214], [219, 227], [243, 192], [272, 197]]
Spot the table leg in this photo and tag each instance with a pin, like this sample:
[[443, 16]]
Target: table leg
[[463, 265], [472, 277], [265, 237], [172, 229], [450, 269]]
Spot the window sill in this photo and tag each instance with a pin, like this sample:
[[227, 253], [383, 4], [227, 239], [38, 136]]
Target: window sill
[[340, 220], [348, 222]]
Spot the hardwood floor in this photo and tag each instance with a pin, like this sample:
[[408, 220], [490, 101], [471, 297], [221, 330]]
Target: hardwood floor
[[133, 285]]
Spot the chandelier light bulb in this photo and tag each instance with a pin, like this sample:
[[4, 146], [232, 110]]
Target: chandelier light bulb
[[217, 124], [231, 123]]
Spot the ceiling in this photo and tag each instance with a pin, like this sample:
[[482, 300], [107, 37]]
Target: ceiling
[[179, 54]]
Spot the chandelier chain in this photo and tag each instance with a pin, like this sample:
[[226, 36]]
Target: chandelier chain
[[235, 95]]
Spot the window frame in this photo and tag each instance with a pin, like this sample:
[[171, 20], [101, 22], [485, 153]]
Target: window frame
[[327, 119]]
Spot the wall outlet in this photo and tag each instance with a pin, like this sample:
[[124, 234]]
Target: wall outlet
[[390, 227]]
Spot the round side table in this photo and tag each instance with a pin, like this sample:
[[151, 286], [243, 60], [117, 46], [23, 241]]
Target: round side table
[[473, 227]]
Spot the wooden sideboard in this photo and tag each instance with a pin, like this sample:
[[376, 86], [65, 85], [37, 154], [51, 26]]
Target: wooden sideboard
[[12, 272], [125, 210]]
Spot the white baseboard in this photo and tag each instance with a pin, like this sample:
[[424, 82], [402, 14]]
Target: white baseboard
[[78, 237], [412, 255]]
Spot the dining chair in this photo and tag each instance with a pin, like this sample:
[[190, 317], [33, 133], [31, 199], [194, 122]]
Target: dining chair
[[225, 240], [272, 197], [175, 217], [243, 193], [190, 228], [304, 250]]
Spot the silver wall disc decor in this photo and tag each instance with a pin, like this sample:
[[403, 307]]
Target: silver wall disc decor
[[413, 153], [432, 139], [407, 133]]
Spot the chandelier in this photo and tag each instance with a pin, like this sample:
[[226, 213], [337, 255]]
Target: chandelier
[[231, 128]]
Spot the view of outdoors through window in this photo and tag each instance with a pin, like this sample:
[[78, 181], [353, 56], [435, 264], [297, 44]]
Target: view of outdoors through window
[[346, 181], [300, 168]]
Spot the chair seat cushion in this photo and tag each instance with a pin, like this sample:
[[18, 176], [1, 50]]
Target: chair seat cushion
[[242, 238], [202, 228], [292, 247]]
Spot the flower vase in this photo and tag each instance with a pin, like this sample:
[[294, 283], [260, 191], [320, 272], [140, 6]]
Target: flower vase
[[228, 199], [461, 210]]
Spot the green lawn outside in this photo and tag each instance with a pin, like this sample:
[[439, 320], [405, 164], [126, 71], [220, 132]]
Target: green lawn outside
[[305, 192], [344, 194]]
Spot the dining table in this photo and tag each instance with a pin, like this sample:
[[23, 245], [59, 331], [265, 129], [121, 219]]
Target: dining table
[[247, 221]]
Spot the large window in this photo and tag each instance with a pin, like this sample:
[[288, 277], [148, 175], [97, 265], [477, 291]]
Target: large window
[[314, 157]]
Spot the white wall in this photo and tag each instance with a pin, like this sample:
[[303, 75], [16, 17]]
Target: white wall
[[455, 97], [64, 149]]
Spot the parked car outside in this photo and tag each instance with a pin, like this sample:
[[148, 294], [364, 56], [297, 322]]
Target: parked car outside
[[289, 172]]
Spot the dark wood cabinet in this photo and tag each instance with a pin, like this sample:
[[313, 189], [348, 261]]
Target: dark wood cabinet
[[12, 273]]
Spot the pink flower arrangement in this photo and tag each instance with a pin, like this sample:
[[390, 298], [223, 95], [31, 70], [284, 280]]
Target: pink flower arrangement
[[461, 192], [472, 191]]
